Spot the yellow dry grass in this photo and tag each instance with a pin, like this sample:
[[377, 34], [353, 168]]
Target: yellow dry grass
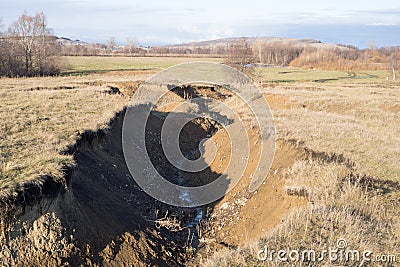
[[358, 203], [349, 119], [40, 117]]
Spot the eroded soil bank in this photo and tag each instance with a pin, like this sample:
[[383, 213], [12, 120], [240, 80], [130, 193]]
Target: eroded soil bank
[[102, 218]]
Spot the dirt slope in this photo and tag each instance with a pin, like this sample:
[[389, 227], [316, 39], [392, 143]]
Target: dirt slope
[[103, 218]]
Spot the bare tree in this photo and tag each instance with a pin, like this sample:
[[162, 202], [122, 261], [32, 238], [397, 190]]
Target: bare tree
[[32, 44], [131, 44], [371, 45], [240, 54], [279, 53], [258, 45], [92, 49], [2, 49], [111, 45], [394, 61], [26, 31]]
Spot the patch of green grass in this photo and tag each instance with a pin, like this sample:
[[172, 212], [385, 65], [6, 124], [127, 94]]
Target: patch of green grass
[[277, 75], [86, 65]]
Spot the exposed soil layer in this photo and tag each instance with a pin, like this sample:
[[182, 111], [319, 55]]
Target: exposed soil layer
[[279, 102], [391, 108], [102, 217]]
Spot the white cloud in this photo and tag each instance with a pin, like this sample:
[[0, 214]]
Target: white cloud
[[382, 24]]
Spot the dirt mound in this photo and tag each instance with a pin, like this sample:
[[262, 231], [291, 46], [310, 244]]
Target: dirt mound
[[254, 215], [279, 102], [391, 108]]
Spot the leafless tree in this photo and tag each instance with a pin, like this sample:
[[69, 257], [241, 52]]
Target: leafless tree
[[394, 61], [92, 49], [32, 47], [240, 54], [279, 53], [371, 45], [111, 45], [258, 45], [2, 49], [131, 44]]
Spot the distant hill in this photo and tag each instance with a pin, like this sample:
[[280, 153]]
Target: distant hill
[[225, 42], [273, 47], [253, 40], [67, 41], [232, 40]]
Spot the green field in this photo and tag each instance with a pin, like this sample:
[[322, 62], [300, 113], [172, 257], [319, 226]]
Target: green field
[[290, 75], [85, 65]]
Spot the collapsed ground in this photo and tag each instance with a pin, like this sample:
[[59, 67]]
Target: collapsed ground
[[104, 218]]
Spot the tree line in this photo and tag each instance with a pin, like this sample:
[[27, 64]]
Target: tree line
[[28, 48], [334, 57]]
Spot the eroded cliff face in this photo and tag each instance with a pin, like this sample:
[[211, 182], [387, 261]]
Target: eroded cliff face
[[101, 217]]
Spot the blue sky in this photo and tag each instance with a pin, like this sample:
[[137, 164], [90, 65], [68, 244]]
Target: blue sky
[[354, 22]]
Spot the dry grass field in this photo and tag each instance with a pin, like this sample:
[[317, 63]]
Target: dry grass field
[[349, 124], [354, 190], [42, 116]]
